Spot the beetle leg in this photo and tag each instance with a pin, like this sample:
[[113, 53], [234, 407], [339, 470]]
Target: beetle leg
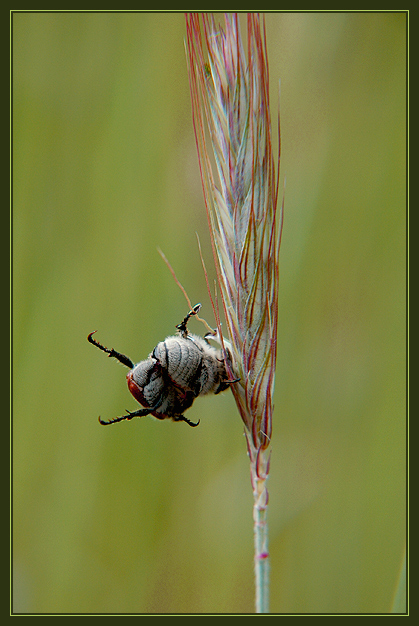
[[182, 418], [130, 415], [182, 327], [231, 382], [225, 384], [113, 353]]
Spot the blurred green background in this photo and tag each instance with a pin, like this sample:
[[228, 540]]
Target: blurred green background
[[156, 517]]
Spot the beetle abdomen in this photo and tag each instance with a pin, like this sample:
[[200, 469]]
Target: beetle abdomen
[[182, 360]]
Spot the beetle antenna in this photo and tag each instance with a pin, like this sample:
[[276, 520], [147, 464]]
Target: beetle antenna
[[113, 353]]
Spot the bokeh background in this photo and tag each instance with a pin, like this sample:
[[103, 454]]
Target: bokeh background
[[156, 517]]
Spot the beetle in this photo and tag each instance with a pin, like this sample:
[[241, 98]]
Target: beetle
[[178, 370]]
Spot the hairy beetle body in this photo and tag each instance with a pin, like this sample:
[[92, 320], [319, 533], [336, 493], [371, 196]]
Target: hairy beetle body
[[192, 363], [177, 371]]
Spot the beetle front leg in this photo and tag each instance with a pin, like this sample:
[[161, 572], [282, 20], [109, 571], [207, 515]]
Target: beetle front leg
[[138, 413], [113, 353]]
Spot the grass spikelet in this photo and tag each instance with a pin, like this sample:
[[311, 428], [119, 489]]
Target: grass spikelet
[[231, 117]]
